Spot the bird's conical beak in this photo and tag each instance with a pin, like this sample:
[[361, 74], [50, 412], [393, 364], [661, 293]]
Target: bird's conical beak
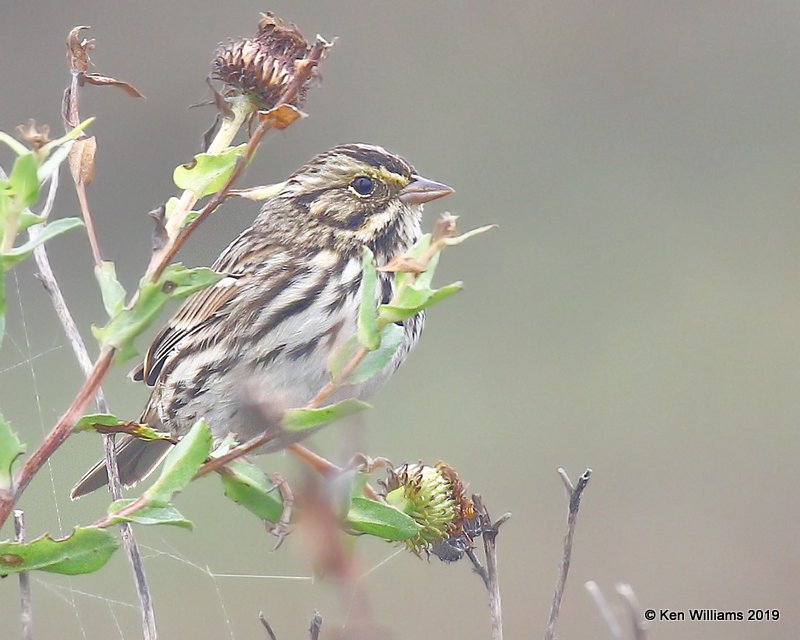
[[421, 190]]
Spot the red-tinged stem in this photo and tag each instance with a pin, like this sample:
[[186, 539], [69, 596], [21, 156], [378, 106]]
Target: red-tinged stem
[[59, 433]]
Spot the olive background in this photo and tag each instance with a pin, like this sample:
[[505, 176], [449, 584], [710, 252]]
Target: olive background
[[636, 312]]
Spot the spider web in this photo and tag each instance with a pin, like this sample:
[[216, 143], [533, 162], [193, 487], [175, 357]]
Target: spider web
[[94, 609]]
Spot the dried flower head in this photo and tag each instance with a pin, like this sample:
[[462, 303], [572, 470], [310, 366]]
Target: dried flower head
[[263, 66], [434, 497], [35, 136]]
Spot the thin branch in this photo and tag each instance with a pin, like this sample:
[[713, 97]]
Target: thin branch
[[634, 609], [50, 283], [478, 568], [25, 602], [489, 531], [316, 626], [574, 493], [605, 610], [82, 171], [612, 619], [266, 626], [59, 433]]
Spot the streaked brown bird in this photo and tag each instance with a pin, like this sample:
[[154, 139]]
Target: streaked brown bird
[[290, 296]]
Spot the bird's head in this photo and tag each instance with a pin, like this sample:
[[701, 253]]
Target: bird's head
[[358, 194]]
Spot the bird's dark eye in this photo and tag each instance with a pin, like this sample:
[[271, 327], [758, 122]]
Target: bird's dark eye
[[363, 185]]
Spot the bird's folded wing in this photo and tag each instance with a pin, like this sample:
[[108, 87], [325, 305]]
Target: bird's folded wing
[[237, 261]]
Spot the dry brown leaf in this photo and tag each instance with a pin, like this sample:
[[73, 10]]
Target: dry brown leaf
[[102, 81], [35, 136], [282, 116], [403, 264], [81, 160], [78, 50], [445, 228]]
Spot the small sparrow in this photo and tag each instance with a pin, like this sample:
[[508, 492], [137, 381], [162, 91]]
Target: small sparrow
[[290, 296]]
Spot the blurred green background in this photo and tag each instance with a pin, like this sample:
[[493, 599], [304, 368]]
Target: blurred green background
[[637, 311]]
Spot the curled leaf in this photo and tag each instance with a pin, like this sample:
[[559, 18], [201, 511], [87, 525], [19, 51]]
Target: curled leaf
[[81, 160], [78, 49], [208, 172], [469, 234], [404, 264], [149, 515], [103, 81], [85, 551], [373, 363], [181, 465], [247, 485], [301, 419], [282, 116], [258, 194], [51, 230], [112, 292], [380, 520], [175, 282]]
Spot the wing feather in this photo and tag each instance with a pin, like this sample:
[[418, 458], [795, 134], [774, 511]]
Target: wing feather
[[238, 261]]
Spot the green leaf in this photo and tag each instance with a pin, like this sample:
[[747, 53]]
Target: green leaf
[[368, 334], [16, 146], [373, 363], [208, 172], [302, 419], [380, 520], [28, 218], [51, 230], [23, 180], [169, 207], [2, 305], [181, 464], [69, 135], [176, 282], [249, 486], [85, 551], [106, 423], [51, 165], [416, 301], [111, 290], [88, 422], [450, 242], [10, 449], [149, 515]]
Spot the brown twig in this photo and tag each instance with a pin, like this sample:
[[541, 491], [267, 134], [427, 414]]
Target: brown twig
[[25, 601], [59, 433], [574, 493], [81, 163], [489, 531], [267, 626], [315, 627]]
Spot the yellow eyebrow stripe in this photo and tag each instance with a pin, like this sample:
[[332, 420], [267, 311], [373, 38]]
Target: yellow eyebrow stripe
[[391, 177]]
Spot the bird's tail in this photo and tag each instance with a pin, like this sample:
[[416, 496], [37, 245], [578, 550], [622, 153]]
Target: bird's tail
[[136, 459]]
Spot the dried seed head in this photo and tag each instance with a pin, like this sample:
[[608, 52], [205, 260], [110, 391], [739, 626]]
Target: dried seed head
[[434, 497], [264, 65], [35, 136]]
